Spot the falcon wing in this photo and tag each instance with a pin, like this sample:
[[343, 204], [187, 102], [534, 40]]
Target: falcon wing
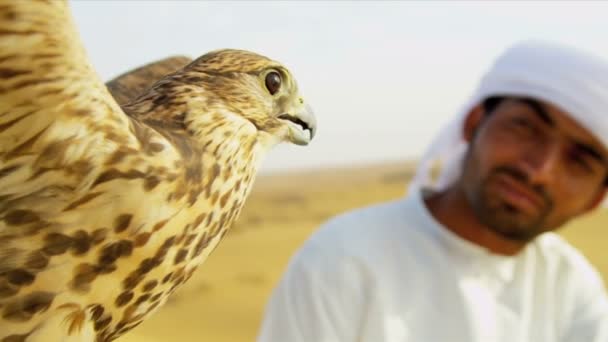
[[56, 115], [131, 84]]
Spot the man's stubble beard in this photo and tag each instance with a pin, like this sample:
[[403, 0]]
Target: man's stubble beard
[[501, 217]]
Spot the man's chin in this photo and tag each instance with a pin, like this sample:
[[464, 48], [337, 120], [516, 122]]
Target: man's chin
[[514, 226], [518, 235]]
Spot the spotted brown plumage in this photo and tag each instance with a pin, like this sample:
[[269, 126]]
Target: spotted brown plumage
[[105, 211], [126, 87]]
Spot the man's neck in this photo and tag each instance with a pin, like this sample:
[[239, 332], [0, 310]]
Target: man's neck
[[453, 211]]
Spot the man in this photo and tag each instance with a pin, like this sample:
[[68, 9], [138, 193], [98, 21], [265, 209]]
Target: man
[[471, 256]]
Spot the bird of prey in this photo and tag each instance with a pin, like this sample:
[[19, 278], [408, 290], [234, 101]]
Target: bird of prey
[[106, 209]]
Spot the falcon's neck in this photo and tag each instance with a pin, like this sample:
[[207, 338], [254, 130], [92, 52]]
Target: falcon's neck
[[211, 140], [186, 112], [226, 134]]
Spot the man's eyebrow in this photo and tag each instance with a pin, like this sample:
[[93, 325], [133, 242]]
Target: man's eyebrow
[[542, 113], [539, 110], [592, 152]]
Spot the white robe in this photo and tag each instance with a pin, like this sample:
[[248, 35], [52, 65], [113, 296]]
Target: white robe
[[392, 273]]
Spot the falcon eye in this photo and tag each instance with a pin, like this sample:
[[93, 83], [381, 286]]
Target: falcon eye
[[273, 82]]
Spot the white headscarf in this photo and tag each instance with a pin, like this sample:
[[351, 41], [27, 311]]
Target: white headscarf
[[574, 81]]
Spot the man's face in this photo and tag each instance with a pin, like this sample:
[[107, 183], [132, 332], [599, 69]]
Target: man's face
[[530, 168]]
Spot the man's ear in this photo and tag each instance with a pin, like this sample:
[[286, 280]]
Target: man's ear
[[472, 122]]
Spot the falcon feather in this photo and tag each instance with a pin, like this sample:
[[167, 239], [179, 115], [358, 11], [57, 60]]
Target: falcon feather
[[106, 210]]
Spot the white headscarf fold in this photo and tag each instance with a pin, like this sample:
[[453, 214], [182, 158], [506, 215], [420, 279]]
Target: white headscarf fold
[[570, 79]]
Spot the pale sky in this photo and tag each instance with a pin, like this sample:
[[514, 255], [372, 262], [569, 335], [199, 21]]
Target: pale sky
[[382, 77]]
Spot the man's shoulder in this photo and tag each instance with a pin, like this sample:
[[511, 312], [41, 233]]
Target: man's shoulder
[[382, 213], [362, 234], [556, 252], [369, 222], [555, 247]]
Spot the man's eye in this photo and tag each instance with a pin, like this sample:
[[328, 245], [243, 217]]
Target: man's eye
[[582, 162], [581, 159], [523, 125]]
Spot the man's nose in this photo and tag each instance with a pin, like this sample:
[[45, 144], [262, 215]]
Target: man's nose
[[541, 162]]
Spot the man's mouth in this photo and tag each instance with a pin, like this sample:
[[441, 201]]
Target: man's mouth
[[518, 194]]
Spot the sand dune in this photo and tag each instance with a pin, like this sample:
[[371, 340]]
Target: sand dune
[[224, 300]]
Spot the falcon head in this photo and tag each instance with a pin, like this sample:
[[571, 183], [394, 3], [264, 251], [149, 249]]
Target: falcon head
[[256, 88]]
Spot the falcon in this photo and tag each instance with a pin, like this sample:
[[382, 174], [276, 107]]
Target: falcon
[[106, 206]]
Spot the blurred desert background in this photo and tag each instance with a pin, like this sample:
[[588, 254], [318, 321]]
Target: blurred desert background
[[224, 301]]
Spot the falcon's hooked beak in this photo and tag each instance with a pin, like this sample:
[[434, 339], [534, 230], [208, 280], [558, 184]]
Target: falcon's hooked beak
[[302, 125]]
